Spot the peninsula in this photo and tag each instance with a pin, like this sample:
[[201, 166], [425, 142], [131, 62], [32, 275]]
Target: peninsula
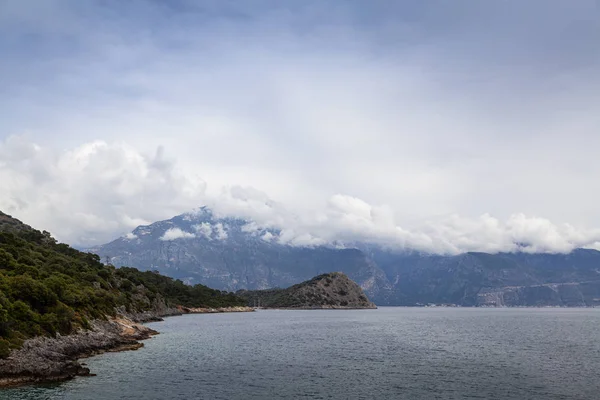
[[327, 291]]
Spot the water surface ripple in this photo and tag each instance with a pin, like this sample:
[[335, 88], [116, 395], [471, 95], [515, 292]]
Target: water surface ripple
[[399, 353]]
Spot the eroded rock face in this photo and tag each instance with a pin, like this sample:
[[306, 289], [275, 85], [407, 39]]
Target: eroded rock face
[[333, 290], [157, 309], [44, 359]]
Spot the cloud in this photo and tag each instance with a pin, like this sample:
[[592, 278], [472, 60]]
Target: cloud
[[119, 188], [440, 127], [208, 231], [176, 233], [89, 194], [251, 228], [267, 236], [204, 229], [220, 232]]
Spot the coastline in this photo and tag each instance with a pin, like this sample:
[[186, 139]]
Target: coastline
[[45, 360], [325, 307], [204, 310]]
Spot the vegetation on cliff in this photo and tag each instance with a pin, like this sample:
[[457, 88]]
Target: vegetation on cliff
[[332, 290], [48, 287]]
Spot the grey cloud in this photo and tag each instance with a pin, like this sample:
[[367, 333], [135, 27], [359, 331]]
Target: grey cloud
[[365, 121]]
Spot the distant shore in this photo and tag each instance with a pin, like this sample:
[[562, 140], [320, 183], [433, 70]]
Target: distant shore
[[325, 307]]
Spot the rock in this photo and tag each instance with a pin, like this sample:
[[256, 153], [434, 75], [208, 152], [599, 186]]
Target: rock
[[44, 359], [158, 310]]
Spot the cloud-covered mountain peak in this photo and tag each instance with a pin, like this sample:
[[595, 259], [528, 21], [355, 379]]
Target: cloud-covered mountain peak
[[201, 225], [237, 253]]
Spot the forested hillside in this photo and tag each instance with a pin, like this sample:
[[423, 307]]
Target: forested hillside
[[48, 287]]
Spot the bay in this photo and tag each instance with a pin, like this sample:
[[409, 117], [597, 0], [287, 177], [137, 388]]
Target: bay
[[391, 352]]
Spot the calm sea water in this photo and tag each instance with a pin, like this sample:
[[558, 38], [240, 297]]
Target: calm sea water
[[389, 353]]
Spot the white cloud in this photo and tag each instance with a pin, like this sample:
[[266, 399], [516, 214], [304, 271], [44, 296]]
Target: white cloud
[[94, 192], [300, 239], [252, 228], [220, 232], [267, 236], [131, 236], [204, 229], [176, 233], [117, 189]]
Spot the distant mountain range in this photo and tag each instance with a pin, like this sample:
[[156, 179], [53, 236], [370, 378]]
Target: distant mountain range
[[233, 254]]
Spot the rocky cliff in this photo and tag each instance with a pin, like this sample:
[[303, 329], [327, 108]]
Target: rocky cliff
[[48, 359], [327, 291]]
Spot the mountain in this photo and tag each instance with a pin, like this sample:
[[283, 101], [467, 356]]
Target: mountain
[[481, 279], [233, 254], [48, 288], [332, 290]]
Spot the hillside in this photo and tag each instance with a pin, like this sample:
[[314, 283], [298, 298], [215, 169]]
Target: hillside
[[48, 288], [332, 290], [10, 224], [233, 254]]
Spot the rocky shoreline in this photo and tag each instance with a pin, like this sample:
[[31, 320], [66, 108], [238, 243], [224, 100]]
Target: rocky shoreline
[[323, 307], [44, 359], [202, 310]]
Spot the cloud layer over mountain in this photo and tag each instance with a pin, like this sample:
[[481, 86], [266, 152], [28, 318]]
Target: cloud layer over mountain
[[439, 126], [92, 193]]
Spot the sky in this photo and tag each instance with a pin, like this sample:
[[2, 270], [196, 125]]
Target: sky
[[440, 126]]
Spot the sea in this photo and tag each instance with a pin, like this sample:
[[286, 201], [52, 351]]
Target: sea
[[388, 353]]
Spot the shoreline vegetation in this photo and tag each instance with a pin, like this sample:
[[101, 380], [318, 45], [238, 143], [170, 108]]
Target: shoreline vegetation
[[58, 304]]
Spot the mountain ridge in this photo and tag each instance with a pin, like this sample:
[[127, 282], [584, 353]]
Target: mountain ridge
[[233, 254]]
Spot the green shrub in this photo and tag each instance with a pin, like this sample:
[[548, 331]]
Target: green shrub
[[4, 348], [48, 288]]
